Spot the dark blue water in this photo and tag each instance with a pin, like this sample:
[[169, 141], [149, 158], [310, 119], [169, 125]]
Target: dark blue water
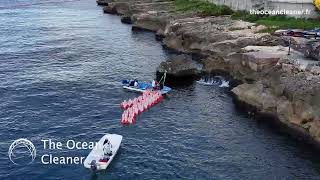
[[60, 67]]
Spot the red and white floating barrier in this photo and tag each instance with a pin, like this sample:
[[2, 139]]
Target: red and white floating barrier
[[132, 108]]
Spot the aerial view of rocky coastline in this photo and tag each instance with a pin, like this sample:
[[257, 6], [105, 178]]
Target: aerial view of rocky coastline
[[270, 80], [160, 89]]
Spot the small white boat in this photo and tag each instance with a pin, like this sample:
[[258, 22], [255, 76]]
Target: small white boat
[[93, 159]]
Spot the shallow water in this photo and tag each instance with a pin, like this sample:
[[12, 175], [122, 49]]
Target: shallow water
[[61, 63]]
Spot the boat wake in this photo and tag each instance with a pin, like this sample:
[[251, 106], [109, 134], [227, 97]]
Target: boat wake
[[214, 81]]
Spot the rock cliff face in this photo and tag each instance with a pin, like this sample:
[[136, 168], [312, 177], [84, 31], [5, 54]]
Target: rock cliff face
[[292, 97], [119, 8], [273, 82], [103, 2], [312, 50], [180, 66], [150, 21], [281, 85], [213, 35]]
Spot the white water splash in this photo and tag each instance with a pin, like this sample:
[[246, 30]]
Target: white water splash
[[224, 83], [214, 81]]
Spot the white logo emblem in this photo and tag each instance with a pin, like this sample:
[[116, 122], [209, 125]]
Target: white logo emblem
[[22, 151]]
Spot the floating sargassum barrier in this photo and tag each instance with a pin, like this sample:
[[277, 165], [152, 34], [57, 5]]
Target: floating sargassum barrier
[[133, 108]]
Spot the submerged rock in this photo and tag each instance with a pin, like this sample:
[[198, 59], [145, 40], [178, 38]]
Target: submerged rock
[[126, 19], [180, 66]]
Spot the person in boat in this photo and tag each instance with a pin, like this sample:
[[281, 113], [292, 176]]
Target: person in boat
[[161, 86], [136, 84], [131, 83], [107, 150], [155, 85], [93, 165]]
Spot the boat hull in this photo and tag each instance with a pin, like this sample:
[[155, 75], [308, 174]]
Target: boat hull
[[97, 152], [143, 87]]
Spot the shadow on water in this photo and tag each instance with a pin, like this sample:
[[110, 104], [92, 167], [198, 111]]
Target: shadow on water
[[111, 168], [306, 146], [94, 176]]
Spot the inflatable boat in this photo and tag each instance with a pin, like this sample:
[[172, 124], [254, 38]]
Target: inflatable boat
[[142, 87]]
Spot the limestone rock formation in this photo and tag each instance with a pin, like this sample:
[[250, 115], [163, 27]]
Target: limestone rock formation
[[273, 82], [180, 66], [313, 50], [119, 8], [103, 2], [150, 21], [214, 35], [292, 96]]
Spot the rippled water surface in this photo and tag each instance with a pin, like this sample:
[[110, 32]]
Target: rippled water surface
[[60, 67]]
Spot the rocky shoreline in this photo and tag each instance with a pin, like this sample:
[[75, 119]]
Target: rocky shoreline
[[286, 87]]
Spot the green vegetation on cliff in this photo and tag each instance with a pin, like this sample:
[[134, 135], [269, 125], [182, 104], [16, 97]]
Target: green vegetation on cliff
[[204, 8], [277, 22]]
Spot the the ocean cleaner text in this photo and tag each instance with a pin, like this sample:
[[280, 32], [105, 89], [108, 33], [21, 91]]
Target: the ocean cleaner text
[[49, 144]]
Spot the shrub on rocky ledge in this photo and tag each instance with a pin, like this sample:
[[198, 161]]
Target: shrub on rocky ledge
[[204, 8]]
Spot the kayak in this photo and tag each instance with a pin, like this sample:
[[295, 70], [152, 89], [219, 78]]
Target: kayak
[[143, 86], [93, 159]]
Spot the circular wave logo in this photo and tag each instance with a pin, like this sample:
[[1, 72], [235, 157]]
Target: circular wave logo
[[22, 151]]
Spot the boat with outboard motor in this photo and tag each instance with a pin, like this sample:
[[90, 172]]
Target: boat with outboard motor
[[93, 160]]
